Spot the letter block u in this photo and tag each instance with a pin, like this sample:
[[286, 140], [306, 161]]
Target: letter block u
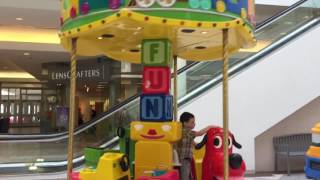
[[156, 80]]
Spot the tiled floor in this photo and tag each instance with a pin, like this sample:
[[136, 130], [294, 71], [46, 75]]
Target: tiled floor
[[280, 177], [62, 177]]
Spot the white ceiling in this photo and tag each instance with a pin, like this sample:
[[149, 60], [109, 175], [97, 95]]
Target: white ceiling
[[38, 18], [32, 4], [36, 13], [40, 14]]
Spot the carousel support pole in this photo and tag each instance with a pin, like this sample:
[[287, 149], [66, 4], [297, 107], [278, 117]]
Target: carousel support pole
[[175, 95], [225, 104], [72, 112]]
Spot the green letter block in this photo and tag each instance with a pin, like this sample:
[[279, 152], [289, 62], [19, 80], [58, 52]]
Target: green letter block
[[156, 52]]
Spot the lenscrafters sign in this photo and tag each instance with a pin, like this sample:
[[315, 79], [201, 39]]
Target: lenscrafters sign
[[86, 71], [81, 74]]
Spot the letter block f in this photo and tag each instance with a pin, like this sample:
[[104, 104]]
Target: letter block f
[[156, 52]]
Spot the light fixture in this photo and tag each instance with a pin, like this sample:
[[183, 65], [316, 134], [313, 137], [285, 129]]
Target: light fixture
[[187, 30], [204, 32], [26, 54], [100, 38], [40, 159], [22, 75], [33, 167], [29, 35], [19, 19]]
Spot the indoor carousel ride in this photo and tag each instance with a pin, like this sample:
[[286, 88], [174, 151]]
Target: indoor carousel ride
[[154, 33]]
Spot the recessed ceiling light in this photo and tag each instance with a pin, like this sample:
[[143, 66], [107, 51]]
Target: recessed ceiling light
[[200, 47], [107, 36], [100, 37], [26, 54], [204, 32], [19, 19], [40, 160], [33, 168], [187, 30], [134, 50]]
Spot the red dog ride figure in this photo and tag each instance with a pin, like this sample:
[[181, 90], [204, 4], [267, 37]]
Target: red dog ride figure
[[212, 164]]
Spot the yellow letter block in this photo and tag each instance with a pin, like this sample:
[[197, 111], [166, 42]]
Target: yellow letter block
[[156, 131], [152, 155]]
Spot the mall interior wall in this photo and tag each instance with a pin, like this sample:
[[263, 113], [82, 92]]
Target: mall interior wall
[[300, 121], [265, 93]]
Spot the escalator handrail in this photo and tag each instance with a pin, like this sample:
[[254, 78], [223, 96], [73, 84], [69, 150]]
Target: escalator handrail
[[59, 136], [284, 12], [241, 66], [111, 143], [63, 135]]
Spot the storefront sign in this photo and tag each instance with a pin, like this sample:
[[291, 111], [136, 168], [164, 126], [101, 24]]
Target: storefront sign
[[85, 72], [81, 74]]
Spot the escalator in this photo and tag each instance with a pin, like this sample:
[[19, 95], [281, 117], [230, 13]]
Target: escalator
[[49, 152]]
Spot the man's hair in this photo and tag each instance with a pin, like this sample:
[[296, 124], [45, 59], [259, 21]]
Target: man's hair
[[185, 117]]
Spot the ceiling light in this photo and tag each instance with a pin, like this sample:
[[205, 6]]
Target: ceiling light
[[33, 168], [100, 37], [26, 54], [14, 75], [187, 30], [204, 32], [40, 160], [19, 19], [29, 35], [107, 36]]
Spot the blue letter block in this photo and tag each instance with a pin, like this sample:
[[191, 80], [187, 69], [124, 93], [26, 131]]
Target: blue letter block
[[156, 108]]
